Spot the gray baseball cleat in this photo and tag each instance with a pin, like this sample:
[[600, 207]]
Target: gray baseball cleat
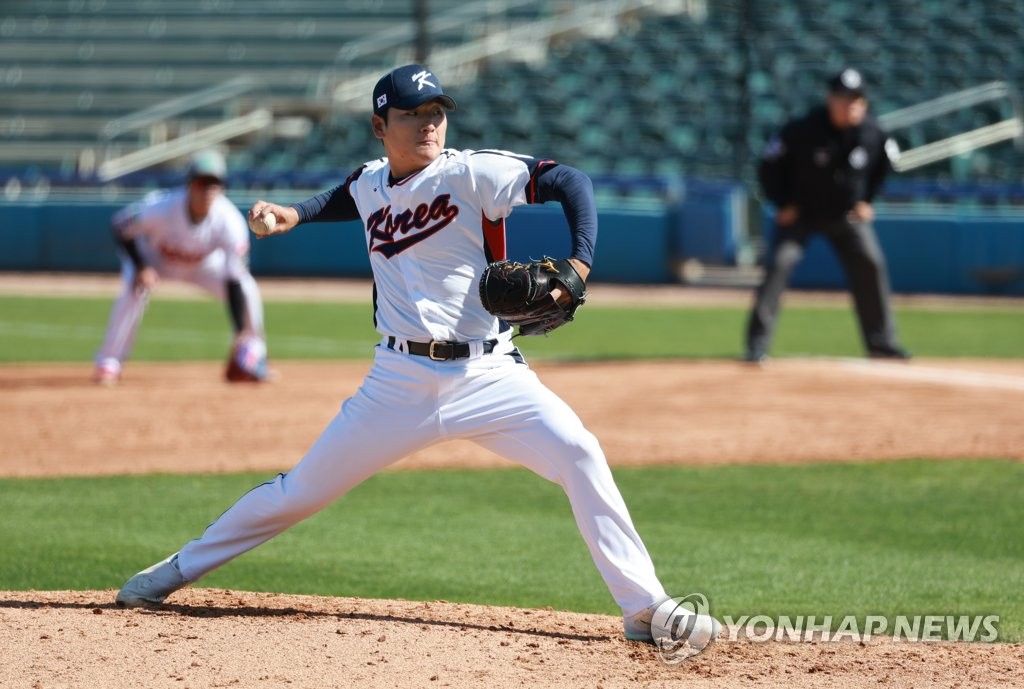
[[151, 586], [703, 631]]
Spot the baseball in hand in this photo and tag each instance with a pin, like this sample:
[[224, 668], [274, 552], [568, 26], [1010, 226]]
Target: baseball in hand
[[262, 225]]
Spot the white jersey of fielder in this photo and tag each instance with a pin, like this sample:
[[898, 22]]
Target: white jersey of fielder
[[431, 234], [169, 236]]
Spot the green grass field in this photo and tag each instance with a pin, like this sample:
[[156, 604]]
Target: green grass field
[[61, 329], [913, 537]]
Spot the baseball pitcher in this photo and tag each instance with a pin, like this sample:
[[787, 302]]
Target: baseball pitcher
[[446, 366]]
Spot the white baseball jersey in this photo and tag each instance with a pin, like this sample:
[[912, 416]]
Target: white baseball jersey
[[170, 237], [427, 285]]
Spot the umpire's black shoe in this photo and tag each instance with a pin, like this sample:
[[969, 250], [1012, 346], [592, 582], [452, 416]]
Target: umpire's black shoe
[[893, 352]]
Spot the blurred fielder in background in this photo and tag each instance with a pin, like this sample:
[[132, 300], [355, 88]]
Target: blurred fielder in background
[[193, 234], [821, 172]]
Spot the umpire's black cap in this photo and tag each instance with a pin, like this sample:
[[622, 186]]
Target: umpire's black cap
[[848, 82], [408, 87]]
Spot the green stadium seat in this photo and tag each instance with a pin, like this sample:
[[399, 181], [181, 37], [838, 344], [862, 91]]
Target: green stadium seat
[[667, 88]]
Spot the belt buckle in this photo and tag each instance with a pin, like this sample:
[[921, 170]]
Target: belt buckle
[[430, 350]]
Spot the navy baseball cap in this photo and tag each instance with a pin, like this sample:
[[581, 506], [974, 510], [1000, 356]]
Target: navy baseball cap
[[407, 88], [848, 82]]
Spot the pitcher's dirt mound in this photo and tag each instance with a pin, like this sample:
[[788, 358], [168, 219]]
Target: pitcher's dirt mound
[[212, 638]]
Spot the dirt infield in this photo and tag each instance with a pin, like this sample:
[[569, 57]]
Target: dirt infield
[[707, 412], [56, 423]]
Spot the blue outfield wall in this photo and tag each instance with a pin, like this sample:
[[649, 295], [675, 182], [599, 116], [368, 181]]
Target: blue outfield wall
[[963, 252], [709, 224], [314, 250], [632, 245], [946, 253], [57, 237]]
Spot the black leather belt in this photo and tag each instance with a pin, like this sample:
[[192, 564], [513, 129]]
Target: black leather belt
[[439, 350]]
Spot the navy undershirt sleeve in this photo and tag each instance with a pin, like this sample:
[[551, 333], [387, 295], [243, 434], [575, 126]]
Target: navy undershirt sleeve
[[128, 244], [333, 205], [132, 250], [236, 304], [574, 190]]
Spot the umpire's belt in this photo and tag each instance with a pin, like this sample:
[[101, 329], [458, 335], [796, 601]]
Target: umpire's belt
[[439, 350]]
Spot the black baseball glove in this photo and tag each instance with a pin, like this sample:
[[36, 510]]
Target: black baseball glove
[[520, 293]]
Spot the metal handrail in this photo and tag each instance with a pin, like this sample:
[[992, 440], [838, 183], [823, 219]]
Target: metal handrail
[[184, 145], [959, 144], [177, 106], [993, 90]]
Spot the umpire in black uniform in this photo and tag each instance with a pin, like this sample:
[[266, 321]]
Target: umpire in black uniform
[[821, 173]]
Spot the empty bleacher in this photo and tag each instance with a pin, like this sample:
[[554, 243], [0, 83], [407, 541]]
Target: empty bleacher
[[685, 94]]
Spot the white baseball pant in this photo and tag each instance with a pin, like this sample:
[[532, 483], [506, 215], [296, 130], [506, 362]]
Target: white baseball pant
[[209, 275], [409, 402]]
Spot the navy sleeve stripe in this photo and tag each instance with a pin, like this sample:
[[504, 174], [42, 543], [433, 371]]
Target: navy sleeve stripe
[[333, 205]]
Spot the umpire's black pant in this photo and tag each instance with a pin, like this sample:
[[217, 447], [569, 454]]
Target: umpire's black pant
[[858, 250]]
